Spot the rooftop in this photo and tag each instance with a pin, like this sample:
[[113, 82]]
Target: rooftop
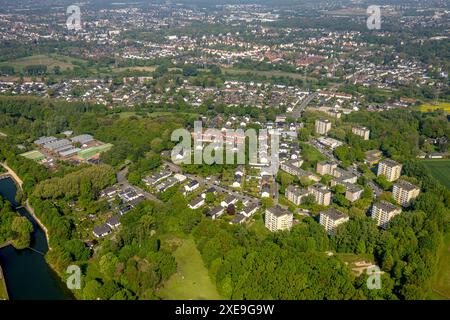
[[405, 185], [390, 163], [334, 214], [385, 206], [278, 211]]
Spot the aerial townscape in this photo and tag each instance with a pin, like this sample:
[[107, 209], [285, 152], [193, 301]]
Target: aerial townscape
[[353, 185]]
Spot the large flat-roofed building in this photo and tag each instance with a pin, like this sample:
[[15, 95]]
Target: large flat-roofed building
[[383, 212], [363, 132], [293, 167], [322, 126], [372, 157], [390, 169], [329, 142], [295, 194], [57, 144], [404, 192], [353, 192], [331, 218], [277, 218], [321, 194], [43, 140], [83, 138], [69, 152], [326, 167]]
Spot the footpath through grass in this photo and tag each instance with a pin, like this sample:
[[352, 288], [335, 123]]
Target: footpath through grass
[[191, 281], [441, 284]]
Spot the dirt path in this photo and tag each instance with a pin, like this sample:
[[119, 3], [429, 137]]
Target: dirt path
[[13, 174]]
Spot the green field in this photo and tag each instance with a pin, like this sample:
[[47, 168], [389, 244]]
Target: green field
[[142, 69], [191, 281], [311, 155], [90, 152], [33, 155], [441, 284], [269, 74], [3, 294], [127, 114], [3, 291], [440, 169], [435, 106], [50, 61]]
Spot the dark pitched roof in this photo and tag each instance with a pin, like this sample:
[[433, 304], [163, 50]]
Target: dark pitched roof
[[101, 230], [215, 211], [238, 219], [113, 221]]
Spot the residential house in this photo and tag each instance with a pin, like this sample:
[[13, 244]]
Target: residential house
[[101, 231], [196, 203]]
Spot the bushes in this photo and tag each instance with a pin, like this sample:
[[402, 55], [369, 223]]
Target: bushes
[[88, 181]]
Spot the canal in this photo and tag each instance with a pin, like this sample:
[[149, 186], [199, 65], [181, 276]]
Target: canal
[[27, 275]]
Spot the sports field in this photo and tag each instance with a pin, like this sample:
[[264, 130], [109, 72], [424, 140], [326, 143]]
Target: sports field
[[33, 155], [440, 169], [90, 152]]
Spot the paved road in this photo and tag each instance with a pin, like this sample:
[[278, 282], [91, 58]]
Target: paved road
[[275, 191], [122, 180], [210, 183], [299, 109], [375, 188]]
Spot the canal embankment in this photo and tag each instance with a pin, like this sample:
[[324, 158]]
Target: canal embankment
[[3, 288], [26, 272]]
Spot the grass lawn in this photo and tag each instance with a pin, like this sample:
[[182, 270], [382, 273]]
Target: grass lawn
[[351, 258], [49, 60], [143, 69], [440, 169], [441, 284], [311, 155], [191, 281], [3, 295], [258, 226], [3, 292], [434, 106], [270, 73], [33, 155]]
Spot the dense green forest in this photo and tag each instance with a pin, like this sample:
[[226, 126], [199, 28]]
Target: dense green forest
[[13, 227], [243, 263]]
